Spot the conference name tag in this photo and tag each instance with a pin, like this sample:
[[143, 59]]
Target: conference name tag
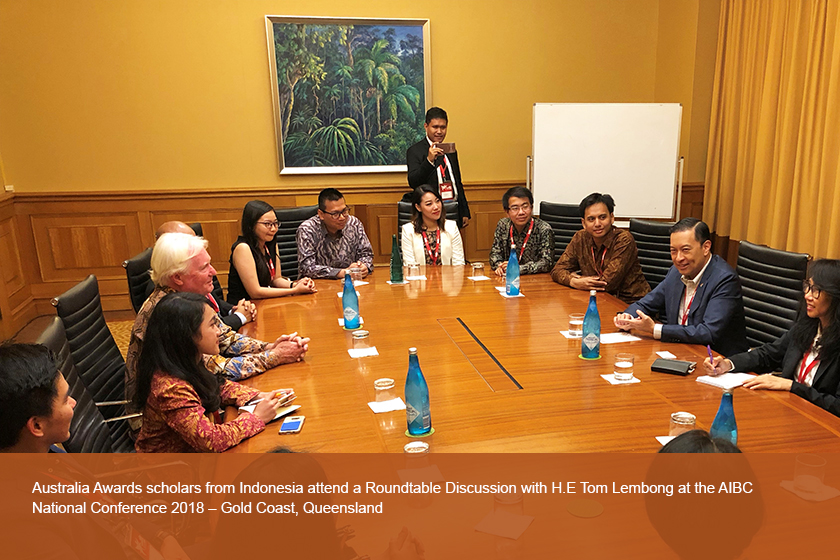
[[590, 341], [446, 191]]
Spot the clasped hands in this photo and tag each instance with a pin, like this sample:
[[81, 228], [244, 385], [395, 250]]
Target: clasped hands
[[642, 323], [247, 309], [357, 264], [289, 348]]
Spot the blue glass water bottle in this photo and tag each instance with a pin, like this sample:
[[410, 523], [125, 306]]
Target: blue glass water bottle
[[512, 276], [590, 344], [417, 412], [724, 426], [350, 301]]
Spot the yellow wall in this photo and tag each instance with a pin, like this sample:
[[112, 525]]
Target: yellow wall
[[169, 94]]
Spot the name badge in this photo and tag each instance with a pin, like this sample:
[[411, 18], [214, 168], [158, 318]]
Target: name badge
[[446, 191]]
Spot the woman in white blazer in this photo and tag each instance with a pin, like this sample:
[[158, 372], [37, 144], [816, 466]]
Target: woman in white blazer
[[429, 238]]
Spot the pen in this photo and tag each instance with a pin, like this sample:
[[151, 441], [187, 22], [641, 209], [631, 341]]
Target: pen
[[711, 358]]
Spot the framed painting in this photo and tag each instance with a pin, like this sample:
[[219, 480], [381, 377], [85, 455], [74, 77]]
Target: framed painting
[[349, 94]]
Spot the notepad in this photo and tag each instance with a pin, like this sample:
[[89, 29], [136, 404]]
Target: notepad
[[727, 380], [282, 411]]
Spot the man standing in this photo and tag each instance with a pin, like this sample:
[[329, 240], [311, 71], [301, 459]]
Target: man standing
[[532, 237], [333, 242], [180, 263], [434, 165], [600, 256], [700, 297]]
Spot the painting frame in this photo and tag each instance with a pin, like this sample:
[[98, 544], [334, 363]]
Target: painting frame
[[281, 116]]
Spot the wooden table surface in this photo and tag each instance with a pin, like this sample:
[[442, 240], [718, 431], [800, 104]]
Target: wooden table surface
[[563, 404]]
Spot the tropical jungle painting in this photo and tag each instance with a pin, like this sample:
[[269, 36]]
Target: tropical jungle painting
[[348, 94]]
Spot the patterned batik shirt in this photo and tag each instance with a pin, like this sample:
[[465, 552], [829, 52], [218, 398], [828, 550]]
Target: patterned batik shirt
[[174, 421], [239, 356], [324, 255], [537, 256]]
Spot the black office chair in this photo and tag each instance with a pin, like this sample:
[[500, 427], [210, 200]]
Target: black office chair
[[196, 227], [654, 243], [137, 271], [404, 214], [564, 219], [286, 236], [89, 431], [98, 360], [771, 284]]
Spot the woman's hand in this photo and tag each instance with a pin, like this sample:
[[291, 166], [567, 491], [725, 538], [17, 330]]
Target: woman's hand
[[720, 366], [266, 409], [305, 286], [770, 382]]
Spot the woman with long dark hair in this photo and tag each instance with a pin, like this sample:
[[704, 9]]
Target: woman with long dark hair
[[254, 266], [180, 399], [809, 353], [429, 238]]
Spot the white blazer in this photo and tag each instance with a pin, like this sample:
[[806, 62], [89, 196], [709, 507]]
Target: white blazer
[[414, 250]]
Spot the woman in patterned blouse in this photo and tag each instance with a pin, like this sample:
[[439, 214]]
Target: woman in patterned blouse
[[429, 238], [181, 400]]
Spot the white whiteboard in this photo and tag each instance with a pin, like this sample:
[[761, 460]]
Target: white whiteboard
[[629, 150]]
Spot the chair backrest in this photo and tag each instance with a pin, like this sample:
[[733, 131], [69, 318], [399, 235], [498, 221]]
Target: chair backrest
[[564, 219], [88, 431], [95, 353], [137, 270], [654, 244], [196, 227], [404, 214], [771, 285], [286, 236]]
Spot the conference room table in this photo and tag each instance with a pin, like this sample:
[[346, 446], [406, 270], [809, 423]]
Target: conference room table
[[502, 378]]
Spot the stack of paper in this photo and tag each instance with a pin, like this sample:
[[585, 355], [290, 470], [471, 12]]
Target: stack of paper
[[727, 380]]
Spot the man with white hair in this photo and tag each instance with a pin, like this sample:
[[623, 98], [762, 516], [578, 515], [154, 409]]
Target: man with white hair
[[180, 263]]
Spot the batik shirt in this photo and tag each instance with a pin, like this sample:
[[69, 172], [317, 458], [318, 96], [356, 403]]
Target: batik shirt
[[239, 356], [324, 255], [537, 256], [174, 421]]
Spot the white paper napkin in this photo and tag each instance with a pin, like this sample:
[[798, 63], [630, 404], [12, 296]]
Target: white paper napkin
[[396, 283], [665, 355], [504, 524], [664, 439], [823, 494], [363, 352], [387, 406], [358, 283], [478, 278], [608, 338], [613, 381], [341, 294], [421, 277], [504, 295], [426, 474]]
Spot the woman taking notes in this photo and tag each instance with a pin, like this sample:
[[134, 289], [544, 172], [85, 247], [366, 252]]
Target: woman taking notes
[[808, 354], [180, 399], [429, 238], [254, 266]]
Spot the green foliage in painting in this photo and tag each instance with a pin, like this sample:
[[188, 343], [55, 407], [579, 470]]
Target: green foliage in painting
[[349, 94]]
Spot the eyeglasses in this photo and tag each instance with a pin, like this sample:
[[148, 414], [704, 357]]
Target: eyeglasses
[[270, 225], [808, 287], [516, 209], [338, 213]]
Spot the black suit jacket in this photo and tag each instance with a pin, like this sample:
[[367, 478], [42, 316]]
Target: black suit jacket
[[421, 172], [825, 389]]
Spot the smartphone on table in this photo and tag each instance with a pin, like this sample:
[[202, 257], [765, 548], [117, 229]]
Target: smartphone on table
[[291, 425]]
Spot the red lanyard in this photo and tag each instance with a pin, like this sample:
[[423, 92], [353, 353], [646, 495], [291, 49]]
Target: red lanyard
[[599, 270], [433, 258], [804, 371], [442, 171], [684, 319], [270, 263], [213, 303], [527, 237]]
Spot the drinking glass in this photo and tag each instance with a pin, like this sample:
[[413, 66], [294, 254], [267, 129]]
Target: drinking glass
[[809, 473], [576, 325], [623, 369], [477, 269], [682, 422]]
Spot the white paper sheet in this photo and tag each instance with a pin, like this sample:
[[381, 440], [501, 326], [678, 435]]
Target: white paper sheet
[[477, 278], [282, 411], [613, 381], [504, 524]]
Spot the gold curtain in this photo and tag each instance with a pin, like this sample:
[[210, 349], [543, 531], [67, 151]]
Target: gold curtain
[[774, 141]]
